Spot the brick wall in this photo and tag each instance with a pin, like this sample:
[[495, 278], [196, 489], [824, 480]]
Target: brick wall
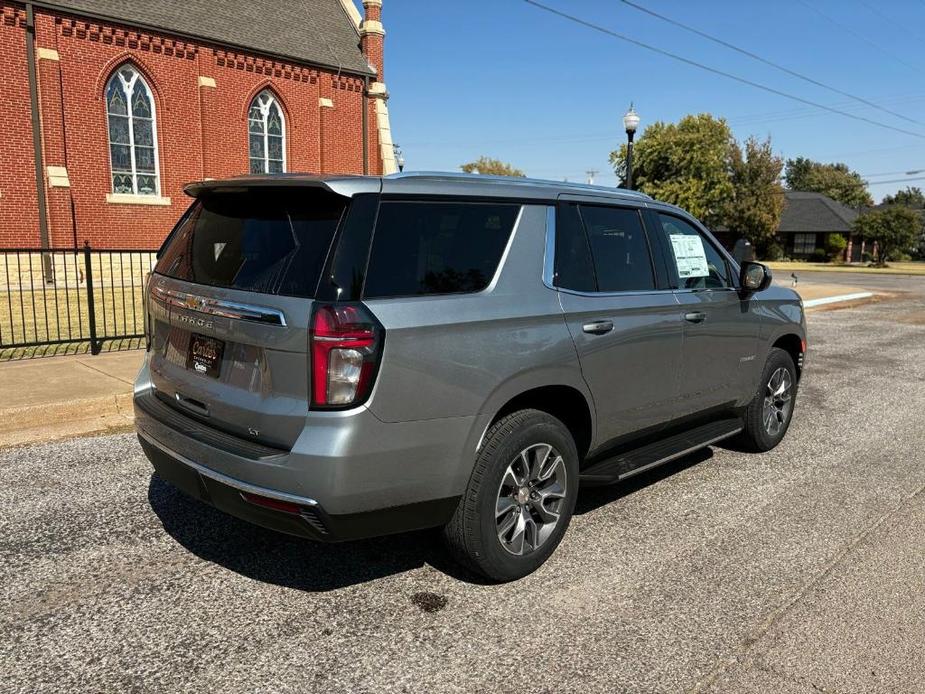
[[19, 220], [201, 129]]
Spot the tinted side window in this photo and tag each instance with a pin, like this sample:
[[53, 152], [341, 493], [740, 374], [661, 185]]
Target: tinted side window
[[266, 241], [697, 263], [619, 247], [436, 247], [573, 257]]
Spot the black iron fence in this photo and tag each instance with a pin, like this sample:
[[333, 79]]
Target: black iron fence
[[77, 300]]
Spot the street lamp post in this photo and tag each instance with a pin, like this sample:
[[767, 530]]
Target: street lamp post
[[630, 123], [399, 158]]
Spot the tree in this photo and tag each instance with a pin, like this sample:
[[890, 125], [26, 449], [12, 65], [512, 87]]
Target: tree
[[491, 167], [894, 229], [835, 180], [684, 163], [757, 201], [910, 197]]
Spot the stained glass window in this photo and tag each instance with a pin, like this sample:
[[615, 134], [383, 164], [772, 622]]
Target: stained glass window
[[266, 128], [132, 134]]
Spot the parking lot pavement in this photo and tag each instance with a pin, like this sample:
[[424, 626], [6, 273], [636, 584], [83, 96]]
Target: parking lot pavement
[[799, 570]]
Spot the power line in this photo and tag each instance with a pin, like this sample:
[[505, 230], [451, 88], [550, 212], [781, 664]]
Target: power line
[[897, 25], [716, 71], [895, 180], [858, 35], [760, 59], [908, 172], [617, 134]]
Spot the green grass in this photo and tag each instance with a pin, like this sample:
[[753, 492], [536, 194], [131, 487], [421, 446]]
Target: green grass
[[32, 310], [37, 316], [896, 268]]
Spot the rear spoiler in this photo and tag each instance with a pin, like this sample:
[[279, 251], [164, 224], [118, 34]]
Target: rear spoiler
[[347, 186]]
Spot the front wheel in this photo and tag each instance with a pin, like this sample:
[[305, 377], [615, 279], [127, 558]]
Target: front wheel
[[520, 497], [768, 415]]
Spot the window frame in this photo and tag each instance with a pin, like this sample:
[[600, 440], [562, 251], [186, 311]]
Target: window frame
[[707, 238], [550, 272], [128, 91], [264, 112], [552, 250], [800, 236]]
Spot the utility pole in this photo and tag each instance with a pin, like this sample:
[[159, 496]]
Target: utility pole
[[591, 174]]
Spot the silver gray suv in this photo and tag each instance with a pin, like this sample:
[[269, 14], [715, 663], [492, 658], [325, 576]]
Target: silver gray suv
[[344, 357]]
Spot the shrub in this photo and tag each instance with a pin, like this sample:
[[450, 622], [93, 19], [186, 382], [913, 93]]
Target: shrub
[[835, 245], [775, 251], [819, 256]]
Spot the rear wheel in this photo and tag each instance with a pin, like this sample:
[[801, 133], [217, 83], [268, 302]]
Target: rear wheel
[[520, 497], [768, 415]]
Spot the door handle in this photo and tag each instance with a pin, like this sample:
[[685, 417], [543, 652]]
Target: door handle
[[598, 327], [695, 317]]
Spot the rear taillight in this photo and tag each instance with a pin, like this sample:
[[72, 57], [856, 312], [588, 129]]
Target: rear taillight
[[346, 343]]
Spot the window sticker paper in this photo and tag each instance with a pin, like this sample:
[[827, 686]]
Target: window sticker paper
[[689, 256]]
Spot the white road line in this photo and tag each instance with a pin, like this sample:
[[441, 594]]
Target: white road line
[[837, 299]]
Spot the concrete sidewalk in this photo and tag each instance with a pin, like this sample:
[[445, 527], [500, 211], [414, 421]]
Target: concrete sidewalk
[[57, 397]]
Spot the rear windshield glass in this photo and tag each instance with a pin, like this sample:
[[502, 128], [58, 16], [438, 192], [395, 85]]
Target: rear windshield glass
[[273, 242], [436, 247]]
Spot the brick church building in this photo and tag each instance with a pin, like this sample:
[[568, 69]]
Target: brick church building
[[110, 106]]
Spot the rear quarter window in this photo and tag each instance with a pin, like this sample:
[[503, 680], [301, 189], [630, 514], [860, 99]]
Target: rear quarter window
[[268, 241], [422, 248]]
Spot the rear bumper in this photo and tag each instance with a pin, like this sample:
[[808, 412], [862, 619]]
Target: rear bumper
[[350, 474], [309, 520]]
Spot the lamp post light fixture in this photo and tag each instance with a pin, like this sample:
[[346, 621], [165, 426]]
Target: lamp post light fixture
[[399, 158], [630, 123]]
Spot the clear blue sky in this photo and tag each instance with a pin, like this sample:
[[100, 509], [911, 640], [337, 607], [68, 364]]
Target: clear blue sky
[[508, 80]]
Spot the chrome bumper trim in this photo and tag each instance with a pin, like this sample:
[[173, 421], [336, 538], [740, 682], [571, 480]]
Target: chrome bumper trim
[[225, 479]]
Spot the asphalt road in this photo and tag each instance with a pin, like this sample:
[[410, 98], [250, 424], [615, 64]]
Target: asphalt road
[[801, 570]]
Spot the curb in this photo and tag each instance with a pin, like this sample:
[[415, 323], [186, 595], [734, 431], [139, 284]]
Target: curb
[[825, 301], [38, 423]]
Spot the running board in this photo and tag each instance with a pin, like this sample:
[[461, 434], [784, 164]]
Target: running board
[[632, 462]]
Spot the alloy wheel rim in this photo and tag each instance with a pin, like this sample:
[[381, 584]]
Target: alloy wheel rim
[[530, 499], [778, 400]]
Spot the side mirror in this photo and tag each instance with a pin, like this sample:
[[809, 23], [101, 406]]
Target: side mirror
[[755, 277]]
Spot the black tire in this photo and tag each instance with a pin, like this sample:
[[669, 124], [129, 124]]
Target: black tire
[[757, 436], [472, 535]]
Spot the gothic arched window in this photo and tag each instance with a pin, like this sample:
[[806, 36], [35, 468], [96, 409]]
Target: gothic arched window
[[266, 127], [132, 133]]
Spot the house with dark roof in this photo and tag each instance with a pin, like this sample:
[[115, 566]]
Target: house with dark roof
[[807, 220], [110, 106]]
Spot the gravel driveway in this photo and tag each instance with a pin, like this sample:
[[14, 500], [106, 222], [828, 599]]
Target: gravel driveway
[[801, 570]]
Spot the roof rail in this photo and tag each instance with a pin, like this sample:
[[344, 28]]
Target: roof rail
[[519, 180]]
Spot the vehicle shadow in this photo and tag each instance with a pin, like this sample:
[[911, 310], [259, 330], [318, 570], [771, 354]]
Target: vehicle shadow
[[592, 498], [293, 562]]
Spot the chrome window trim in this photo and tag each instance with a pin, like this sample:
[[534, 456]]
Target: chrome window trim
[[504, 254], [218, 307], [627, 292], [549, 255], [706, 289]]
